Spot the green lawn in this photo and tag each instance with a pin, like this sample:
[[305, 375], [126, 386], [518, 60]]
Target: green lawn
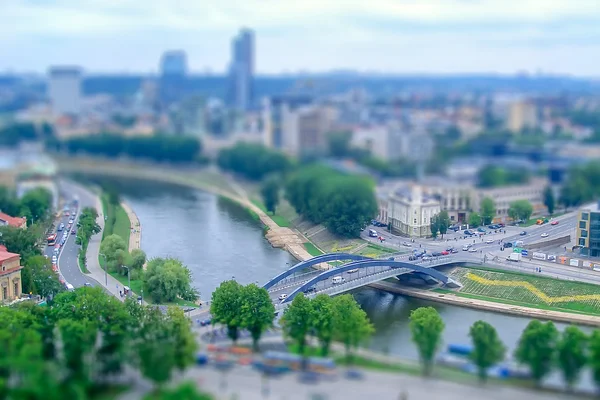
[[528, 290], [116, 222], [312, 249], [278, 219], [373, 250]]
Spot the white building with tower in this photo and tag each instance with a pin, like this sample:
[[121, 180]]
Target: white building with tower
[[64, 90]]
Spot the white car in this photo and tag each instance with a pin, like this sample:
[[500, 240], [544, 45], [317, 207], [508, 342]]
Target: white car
[[282, 297], [489, 241], [353, 271], [53, 259], [71, 221], [472, 250], [545, 235], [406, 244]]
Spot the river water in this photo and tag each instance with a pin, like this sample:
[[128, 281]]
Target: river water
[[218, 240]]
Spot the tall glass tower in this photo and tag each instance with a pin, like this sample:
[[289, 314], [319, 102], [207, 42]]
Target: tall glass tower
[[241, 71]]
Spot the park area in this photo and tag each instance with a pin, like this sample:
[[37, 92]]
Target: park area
[[528, 290]]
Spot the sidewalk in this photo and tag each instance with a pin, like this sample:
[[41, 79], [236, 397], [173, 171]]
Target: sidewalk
[[135, 238]]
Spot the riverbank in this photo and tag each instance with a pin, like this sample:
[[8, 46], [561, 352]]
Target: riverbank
[[135, 237]]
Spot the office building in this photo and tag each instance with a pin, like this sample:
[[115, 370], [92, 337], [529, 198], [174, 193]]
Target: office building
[[64, 90], [173, 63], [273, 112], [305, 130], [241, 71], [588, 231], [522, 115], [409, 211]]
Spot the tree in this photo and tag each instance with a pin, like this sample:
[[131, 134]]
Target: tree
[[137, 259], [297, 321], [323, 321], [520, 210], [115, 253], [185, 345], [443, 222], [594, 356], [339, 144], [270, 193], [572, 354], [225, 307], [537, 348], [488, 349], [37, 204], [257, 311], [434, 226], [39, 278], [184, 391], [549, 199], [253, 161], [167, 279], [21, 241], [351, 324], [426, 327], [487, 210], [474, 219]]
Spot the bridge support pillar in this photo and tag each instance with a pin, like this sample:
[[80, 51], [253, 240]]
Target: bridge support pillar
[[453, 284]]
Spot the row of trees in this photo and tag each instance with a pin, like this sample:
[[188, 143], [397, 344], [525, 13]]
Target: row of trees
[[71, 349], [159, 148], [35, 205], [343, 203], [87, 228], [253, 161], [541, 347], [242, 307], [327, 319], [582, 185], [13, 135], [165, 279], [494, 176]]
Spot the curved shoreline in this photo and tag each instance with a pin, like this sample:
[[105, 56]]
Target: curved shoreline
[[292, 241]]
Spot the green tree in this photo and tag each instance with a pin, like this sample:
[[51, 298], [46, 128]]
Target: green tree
[[183, 391], [339, 144], [474, 220], [167, 279], [270, 193], [37, 203], [21, 241], [537, 348], [426, 327], [297, 320], [185, 345], [488, 349], [351, 324], [434, 226], [77, 338], [115, 252], [39, 278], [257, 312], [594, 356], [549, 199], [443, 222], [253, 161], [226, 305], [323, 321], [520, 210], [572, 354], [137, 259], [487, 210]]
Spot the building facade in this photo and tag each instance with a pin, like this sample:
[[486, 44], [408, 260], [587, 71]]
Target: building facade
[[241, 71], [64, 90], [409, 211], [521, 115], [588, 231], [533, 192], [10, 276], [305, 130]]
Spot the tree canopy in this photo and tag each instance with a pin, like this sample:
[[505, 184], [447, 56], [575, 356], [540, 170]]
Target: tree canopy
[[520, 210], [253, 161], [537, 348], [167, 279], [426, 327], [493, 176], [488, 349], [487, 210]]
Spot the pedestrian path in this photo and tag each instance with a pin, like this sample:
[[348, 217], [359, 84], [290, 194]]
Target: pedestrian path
[[135, 238]]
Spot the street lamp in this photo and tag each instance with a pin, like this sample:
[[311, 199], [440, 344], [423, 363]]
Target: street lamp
[[105, 270], [128, 278]]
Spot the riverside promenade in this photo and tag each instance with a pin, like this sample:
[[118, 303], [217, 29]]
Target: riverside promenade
[[135, 237]]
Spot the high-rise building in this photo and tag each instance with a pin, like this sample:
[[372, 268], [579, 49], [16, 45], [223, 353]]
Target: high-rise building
[[173, 63], [64, 90], [588, 231], [274, 110], [241, 70]]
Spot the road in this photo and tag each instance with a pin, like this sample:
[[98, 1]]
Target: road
[[67, 260]]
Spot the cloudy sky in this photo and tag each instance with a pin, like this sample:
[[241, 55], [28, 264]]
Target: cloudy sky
[[399, 36]]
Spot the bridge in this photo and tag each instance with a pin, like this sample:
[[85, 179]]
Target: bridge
[[360, 272]]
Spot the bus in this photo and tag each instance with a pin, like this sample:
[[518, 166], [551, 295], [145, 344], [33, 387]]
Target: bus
[[52, 240]]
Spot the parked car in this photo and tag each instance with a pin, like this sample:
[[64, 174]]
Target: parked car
[[482, 230], [310, 290], [453, 251], [445, 252], [523, 233], [466, 247], [436, 254], [282, 296], [426, 258]]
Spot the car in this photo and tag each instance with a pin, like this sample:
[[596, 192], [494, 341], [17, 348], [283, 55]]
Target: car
[[489, 241], [554, 222], [508, 244], [472, 250], [551, 257], [446, 252], [466, 247], [413, 258], [523, 233], [60, 227], [87, 284], [73, 232], [501, 225], [57, 246], [352, 271], [426, 258], [493, 226], [71, 221], [449, 248], [482, 230], [373, 233], [282, 296], [69, 227], [453, 251], [436, 254], [545, 235], [54, 259], [67, 214], [406, 244], [310, 290]]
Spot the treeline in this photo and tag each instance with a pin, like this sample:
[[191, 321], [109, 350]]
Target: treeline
[[343, 203], [582, 185], [12, 135], [35, 205], [253, 161], [71, 350], [160, 148]]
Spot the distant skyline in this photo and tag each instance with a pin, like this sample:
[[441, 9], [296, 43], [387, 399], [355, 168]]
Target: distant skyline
[[385, 36]]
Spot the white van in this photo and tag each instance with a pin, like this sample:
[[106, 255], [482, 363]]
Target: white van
[[372, 233], [337, 279], [466, 247], [69, 287]]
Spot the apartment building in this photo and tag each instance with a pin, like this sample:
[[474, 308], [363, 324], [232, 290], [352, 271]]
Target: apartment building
[[409, 211]]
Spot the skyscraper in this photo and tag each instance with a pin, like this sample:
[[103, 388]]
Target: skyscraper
[[173, 63], [64, 90], [241, 70], [173, 79]]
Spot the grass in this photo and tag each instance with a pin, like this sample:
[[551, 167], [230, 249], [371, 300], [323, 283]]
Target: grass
[[312, 249], [116, 222], [278, 219], [373, 250], [528, 290]]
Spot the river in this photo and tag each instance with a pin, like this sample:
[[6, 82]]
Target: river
[[219, 240]]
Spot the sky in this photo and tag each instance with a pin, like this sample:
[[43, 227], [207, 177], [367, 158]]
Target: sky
[[385, 36]]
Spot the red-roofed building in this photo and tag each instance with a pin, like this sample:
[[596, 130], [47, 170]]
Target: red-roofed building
[[17, 222], [10, 276]]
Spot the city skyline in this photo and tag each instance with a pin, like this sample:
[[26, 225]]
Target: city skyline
[[397, 37]]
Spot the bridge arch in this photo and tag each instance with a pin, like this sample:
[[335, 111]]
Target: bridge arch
[[313, 261], [362, 264]]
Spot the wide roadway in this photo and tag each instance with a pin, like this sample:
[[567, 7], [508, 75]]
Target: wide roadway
[[68, 258]]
